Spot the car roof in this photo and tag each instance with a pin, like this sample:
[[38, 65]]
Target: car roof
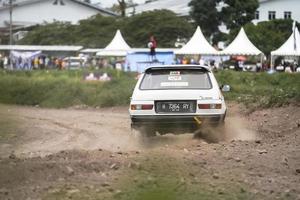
[[176, 67]]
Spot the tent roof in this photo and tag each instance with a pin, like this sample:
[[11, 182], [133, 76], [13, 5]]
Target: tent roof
[[117, 47], [197, 45], [40, 47], [118, 43], [291, 47], [241, 45]]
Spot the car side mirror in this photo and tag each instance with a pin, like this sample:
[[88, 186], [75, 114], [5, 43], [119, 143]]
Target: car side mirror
[[225, 88]]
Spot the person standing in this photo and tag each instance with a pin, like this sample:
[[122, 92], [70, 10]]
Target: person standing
[[5, 62], [47, 62], [152, 45], [36, 63]]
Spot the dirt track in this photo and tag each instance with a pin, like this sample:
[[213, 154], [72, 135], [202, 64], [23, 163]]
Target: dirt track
[[91, 154]]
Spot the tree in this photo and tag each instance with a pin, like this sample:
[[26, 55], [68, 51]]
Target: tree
[[237, 13], [267, 36], [205, 14], [165, 25], [94, 32], [51, 34], [209, 14], [122, 6], [97, 31]]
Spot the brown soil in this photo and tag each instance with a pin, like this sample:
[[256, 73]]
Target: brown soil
[[88, 153]]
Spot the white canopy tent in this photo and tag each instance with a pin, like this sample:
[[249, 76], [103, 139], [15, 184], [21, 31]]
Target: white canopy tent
[[241, 45], [290, 48], [117, 47], [198, 45]]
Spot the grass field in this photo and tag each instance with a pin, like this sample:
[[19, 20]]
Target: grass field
[[59, 89], [261, 89]]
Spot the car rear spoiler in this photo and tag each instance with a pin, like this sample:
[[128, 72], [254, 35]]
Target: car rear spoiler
[[196, 67]]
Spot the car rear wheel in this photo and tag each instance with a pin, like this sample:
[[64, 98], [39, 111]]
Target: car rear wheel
[[144, 131]]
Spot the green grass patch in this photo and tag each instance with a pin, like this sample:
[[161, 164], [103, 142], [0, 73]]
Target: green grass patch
[[59, 89], [261, 89]]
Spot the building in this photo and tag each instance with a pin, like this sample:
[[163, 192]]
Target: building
[[277, 9], [268, 9], [31, 12], [180, 7]]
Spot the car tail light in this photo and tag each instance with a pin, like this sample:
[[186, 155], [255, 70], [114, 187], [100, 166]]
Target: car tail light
[[141, 106], [210, 106]]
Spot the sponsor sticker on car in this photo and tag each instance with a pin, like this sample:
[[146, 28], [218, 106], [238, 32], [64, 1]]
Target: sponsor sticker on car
[[174, 84]]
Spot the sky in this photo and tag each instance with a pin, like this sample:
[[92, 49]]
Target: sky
[[109, 3]]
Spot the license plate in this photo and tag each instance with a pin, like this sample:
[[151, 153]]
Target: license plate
[[175, 107]]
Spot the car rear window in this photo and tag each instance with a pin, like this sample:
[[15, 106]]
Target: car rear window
[[175, 79]]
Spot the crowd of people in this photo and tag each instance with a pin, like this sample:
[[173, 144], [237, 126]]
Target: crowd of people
[[42, 61], [289, 67], [38, 62], [212, 63]]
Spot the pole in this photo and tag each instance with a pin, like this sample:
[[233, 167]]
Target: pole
[[261, 61], [10, 32], [272, 65]]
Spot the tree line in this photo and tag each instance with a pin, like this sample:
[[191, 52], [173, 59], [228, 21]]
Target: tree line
[[167, 27]]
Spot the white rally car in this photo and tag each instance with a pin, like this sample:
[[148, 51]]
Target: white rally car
[[176, 98]]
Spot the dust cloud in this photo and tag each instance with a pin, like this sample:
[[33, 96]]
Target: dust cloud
[[234, 128], [46, 131], [237, 128]]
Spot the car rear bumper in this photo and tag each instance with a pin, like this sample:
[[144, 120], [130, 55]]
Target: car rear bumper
[[176, 120]]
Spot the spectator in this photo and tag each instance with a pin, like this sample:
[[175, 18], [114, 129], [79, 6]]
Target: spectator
[[36, 62], [5, 61], [47, 62], [152, 45]]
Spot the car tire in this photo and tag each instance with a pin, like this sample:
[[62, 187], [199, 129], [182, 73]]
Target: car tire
[[144, 131]]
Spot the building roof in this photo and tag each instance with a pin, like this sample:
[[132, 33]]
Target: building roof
[[198, 45], [89, 50], [264, 1], [40, 47], [179, 7], [28, 2]]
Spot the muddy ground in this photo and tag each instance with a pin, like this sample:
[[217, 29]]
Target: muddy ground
[[85, 153]]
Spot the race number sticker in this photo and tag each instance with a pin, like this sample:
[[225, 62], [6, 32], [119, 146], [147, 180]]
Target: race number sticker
[[174, 78], [175, 73]]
